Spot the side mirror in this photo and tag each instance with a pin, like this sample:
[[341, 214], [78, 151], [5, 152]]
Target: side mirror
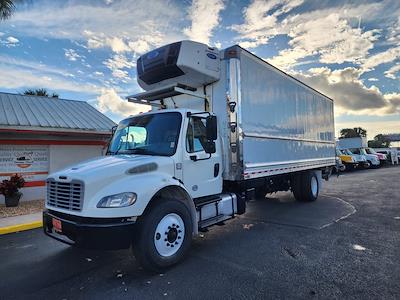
[[209, 147], [211, 129], [113, 129]]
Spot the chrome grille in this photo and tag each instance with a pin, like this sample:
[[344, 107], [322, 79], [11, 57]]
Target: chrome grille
[[66, 195]]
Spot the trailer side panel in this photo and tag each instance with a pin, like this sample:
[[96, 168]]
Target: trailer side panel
[[284, 125]]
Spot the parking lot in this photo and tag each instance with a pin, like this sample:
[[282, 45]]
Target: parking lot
[[345, 245]]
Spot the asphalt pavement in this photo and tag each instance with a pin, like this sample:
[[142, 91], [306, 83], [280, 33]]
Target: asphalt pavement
[[345, 245]]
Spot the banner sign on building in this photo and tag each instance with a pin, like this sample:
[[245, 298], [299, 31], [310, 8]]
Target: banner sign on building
[[30, 161]]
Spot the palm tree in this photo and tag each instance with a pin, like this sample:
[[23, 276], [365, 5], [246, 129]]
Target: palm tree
[[379, 141], [7, 8], [39, 92], [353, 132]]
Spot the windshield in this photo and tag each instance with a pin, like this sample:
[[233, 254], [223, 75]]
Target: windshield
[[370, 151], [338, 152], [347, 151], [154, 134]]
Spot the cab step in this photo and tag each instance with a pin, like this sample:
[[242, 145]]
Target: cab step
[[215, 209]]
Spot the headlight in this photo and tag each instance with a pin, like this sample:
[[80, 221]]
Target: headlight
[[117, 200]]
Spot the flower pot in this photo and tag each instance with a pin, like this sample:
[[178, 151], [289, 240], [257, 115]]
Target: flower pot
[[12, 201]]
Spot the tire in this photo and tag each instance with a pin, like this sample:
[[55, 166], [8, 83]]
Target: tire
[[305, 187], [164, 235]]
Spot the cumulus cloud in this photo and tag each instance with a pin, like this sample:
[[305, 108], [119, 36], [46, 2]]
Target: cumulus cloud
[[13, 78], [391, 73], [119, 61], [9, 41], [122, 26], [117, 44], [373, 79], [144, 43], [331, 35], [333, 39], [21, 73], [375, 60], [12, 40], [394, 33], [351, 96], [204, 15], [118, 64], [261, 21], [109, 101], [71, 54]]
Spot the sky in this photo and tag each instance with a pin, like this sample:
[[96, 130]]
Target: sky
[[87, 50]]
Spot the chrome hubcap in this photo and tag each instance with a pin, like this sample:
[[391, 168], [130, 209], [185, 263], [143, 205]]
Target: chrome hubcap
[[169, 235]]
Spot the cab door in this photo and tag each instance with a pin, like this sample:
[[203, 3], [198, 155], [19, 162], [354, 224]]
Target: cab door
[[201, 171]]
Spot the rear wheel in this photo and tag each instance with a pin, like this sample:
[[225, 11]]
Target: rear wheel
[[164, 235], [305, 187]]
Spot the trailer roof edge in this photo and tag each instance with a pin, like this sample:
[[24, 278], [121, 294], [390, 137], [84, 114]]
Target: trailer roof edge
[[231, 52]]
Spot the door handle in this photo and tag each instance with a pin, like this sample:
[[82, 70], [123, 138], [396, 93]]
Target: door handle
[[216, 169]]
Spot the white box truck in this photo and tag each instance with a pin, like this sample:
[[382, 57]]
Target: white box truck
[[225, 125], [354, 142]]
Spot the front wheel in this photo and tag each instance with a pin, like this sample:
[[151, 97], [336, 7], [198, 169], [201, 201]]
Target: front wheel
[[164, 235]]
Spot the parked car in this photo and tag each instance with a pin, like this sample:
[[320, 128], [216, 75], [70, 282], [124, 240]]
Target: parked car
[[372, 159], [359, 158], [349, 161], [392, 156], [382, 157]]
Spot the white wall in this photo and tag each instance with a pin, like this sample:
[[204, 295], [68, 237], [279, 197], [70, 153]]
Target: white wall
[[60, 156]]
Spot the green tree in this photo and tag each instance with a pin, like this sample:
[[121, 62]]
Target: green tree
[[7, 8], [379, 141], [353, 132], [40, 92]]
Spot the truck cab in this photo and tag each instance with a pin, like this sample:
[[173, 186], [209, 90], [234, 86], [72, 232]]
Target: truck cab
[[348, 160], [371, 158], [360, 159]]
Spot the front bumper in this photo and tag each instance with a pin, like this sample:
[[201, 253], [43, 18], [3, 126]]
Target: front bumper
[[353, 164], [90, 233]]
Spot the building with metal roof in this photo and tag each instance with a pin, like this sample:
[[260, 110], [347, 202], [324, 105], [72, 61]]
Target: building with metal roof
[[45, 113], [40, 135]]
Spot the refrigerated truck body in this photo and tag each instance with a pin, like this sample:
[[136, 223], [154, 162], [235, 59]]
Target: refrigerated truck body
[[224, 126]]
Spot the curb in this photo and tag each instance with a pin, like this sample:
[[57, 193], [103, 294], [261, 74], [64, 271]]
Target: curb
[[21, 227]]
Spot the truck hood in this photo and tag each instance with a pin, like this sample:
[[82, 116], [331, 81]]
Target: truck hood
[[110, 166]]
